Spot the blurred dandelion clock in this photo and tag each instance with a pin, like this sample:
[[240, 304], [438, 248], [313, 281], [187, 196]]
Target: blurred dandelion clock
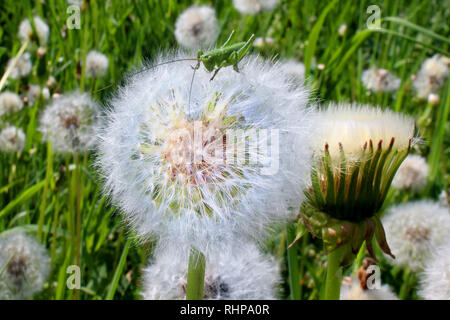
[[415, 229], [357, 150], [254, 6], [197, 27], [25, 266], [431, 76], [10, 102], [70, 122], [12, 139], [42, 30], [21, 67], [96, 64], [242, 273], [435, 279], [380, 80], [192, 168], [412, 174]]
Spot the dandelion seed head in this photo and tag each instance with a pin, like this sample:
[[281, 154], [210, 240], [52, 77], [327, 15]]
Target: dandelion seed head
[[412, 174], [96, 64], [42, 30], [27, 266], [254, 6], [174, 164], [10, 102], [12, 139], [435, 279], [197, 27], [379, 80], [431, 76], [414, 229], [70, 122], [22, 68], [242, 273]]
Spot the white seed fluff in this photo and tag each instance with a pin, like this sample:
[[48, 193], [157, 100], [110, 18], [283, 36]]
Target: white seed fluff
[[431, 76], [412, 174], [242, 273], [27, 266], [70, 122], [254, 6], [354, 125], [42, 30], [415, 229], [173, 187], [435, 279], [197, 27], [10, 102], [379, 80], [96, 64], [294, 70], [353, 291], [12, 139], [22, 67]]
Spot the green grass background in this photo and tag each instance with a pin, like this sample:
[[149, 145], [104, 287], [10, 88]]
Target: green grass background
[[41, 195]]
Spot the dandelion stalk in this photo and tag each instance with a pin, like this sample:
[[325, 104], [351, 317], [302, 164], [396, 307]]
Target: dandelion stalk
[[196, 276], [334, 275]]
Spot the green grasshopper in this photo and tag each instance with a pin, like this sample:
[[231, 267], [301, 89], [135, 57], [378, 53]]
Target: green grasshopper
[[215, 59], [226, 55]]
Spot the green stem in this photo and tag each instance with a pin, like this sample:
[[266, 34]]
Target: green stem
[[333, 281], [196, 276], [292, 255]]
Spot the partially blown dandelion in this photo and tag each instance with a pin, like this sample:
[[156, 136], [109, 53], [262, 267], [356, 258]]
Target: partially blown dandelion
[[242, 273], [70, 122], [415, 229], [12, 139], [197, 27], [22, 66], [10, 102], [254, 6], [42, 30], [431, 76], [27, 266], [380, 80]]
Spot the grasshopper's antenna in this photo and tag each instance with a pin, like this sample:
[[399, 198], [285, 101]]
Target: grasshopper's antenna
[[151, 67]]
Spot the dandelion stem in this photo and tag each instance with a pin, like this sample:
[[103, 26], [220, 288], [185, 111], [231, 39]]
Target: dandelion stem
[[196, 276], [333, 281], [292, 254]]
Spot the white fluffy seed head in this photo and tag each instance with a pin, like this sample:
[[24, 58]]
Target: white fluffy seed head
[[379, 80], [240, 273], [42, 30], [254, 6], [412, 174], [435, 279], [22, 67], [354, 126], [70, 122], [175, 163], [197, 27], [353, 291], [431, 76], [27, 266], [10, 102], [415, 229], [96, 64], [12, 139]]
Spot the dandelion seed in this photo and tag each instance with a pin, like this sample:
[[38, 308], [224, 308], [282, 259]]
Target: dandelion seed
[[435, 279], [412, 174], [96, 64], [254, 6], [42, 30], [431, 76], [178, 170], [242, 273], [380, 80], [10, 102], [12, 139], [357, 149], [197, 27], [70, 122], [414, 229], [27, 266], [22, 68], [342, 29]]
